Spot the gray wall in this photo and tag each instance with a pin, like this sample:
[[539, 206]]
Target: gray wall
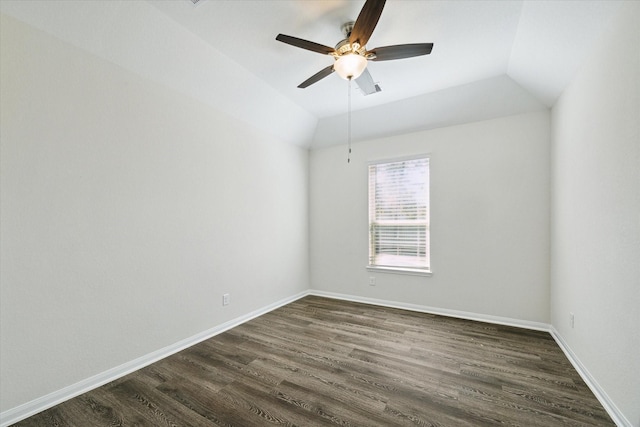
[[127, 210], [596, 213], [489, 219]]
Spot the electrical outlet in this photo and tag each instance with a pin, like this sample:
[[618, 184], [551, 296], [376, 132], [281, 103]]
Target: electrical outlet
[[225, 299], [571, 319], [372, 281]]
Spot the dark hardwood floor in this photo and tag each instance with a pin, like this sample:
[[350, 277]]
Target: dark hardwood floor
[[320, 361]]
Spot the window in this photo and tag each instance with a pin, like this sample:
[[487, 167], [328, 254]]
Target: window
[[399, 215]]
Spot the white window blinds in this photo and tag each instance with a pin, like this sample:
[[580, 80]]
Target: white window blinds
[[399, 214]]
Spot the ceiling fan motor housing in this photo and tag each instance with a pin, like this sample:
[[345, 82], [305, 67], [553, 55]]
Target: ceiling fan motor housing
[[343, 47]]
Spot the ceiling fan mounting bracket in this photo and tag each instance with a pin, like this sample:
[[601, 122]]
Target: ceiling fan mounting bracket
[[347, 27]]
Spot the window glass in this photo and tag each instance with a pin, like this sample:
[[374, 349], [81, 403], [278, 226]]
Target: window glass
[[399, 214]]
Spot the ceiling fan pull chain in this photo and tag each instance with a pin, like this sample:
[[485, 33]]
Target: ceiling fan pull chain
[[349, 125]]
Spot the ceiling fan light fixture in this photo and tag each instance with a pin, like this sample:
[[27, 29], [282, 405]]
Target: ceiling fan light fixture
[[350, 66]]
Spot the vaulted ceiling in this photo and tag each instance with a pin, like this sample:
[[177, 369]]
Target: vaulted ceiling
[[490, 58]]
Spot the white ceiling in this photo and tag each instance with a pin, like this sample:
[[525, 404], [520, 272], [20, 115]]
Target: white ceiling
[[490, 58]]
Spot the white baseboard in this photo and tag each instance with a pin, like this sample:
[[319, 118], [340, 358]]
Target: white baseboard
[[601, 395], [537, 326], [33, 407], [45, 402]]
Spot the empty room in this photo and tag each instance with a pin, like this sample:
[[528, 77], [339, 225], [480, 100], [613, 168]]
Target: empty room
[[337, 212]]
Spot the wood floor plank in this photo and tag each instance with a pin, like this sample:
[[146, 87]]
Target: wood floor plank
[[321, 361]]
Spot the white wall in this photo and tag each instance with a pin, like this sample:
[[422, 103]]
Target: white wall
[[596, 213], [127, 210], [152, 44], [489, 219]]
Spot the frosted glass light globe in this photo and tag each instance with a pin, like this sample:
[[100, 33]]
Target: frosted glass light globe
[[350, 66]]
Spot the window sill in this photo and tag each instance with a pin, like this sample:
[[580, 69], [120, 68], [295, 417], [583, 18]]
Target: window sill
[[400, 270]]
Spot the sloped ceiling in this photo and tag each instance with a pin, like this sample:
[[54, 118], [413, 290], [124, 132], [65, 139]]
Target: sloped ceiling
[[490, 58]]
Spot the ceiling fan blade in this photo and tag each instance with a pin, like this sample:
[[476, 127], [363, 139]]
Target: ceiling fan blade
[[366, 22], [305, 44], [366, 84], [400, 51], [317, 77]]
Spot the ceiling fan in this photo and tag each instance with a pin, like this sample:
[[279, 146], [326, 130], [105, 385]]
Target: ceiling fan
[[351, 55]]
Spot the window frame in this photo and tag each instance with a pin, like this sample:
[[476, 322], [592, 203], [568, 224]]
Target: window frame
[[419, 271]]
